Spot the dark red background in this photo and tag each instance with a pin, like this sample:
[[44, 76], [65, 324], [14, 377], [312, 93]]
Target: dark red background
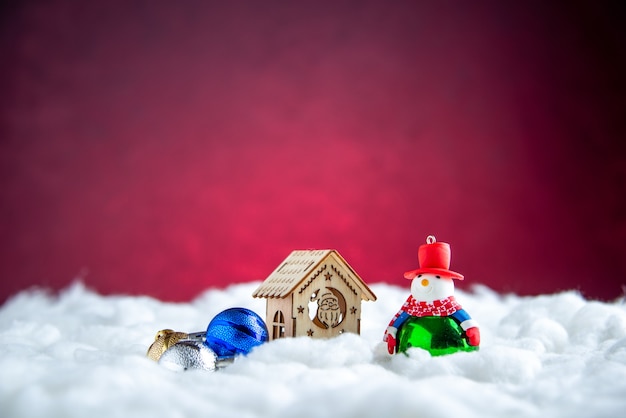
[[163, 147]]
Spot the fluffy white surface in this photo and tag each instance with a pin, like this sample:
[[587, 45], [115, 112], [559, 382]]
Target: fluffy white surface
[[83, 355]]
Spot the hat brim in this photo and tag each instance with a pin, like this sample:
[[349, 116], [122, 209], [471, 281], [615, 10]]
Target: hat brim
[[440, 272]]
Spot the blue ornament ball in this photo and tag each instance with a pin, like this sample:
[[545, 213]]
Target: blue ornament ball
[[235, 331]]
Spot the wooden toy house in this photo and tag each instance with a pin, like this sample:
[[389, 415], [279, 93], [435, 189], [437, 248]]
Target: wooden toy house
[[314, 293]]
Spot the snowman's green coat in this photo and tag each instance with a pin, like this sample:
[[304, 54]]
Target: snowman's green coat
[[437, 334]]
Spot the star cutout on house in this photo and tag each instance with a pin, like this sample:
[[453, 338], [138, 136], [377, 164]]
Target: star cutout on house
[[300, 309], [353, 310], [328, 276], [309, 333]]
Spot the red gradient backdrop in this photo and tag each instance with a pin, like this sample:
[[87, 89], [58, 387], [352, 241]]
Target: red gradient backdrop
[[162, 148]]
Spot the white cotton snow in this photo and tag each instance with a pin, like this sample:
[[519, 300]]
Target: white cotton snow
[[82, 354]]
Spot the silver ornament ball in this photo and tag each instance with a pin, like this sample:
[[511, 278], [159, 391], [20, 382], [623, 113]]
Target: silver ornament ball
[[189, 354]]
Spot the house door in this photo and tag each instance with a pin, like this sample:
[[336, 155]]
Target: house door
[[278, 325]]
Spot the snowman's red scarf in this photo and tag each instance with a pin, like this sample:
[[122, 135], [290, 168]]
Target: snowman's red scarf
[[441, 307]]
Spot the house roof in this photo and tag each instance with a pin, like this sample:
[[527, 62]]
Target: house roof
[[295, 269]]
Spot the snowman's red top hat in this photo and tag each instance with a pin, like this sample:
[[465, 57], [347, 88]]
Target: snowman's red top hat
[[434, 258]]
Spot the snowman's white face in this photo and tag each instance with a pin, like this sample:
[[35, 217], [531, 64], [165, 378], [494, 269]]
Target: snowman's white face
[[429, 287]]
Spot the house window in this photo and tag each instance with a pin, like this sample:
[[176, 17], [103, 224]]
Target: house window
[[278, 325]]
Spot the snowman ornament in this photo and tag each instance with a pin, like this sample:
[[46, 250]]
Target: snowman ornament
[[431, 318]]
